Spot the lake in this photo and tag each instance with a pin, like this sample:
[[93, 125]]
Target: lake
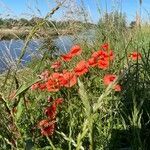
[[10, 50]]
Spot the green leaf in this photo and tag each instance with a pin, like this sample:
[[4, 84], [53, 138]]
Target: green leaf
[[19, 104], [84, 97], [19, 109], [23, 88]]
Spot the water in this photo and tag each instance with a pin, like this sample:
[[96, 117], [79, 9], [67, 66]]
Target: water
[[10, 50], [64, 43]]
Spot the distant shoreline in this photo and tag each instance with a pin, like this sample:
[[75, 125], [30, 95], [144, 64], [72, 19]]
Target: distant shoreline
[[22, 33], [20, 29]]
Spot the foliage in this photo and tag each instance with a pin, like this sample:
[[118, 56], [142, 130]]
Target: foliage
[[95, 96], [10, 22]]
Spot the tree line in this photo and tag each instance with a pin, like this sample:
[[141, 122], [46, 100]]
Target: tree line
[[23, 22]]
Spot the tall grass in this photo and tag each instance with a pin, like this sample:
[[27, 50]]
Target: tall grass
[[92, 116]]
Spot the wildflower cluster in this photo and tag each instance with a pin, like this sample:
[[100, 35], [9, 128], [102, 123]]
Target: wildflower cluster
[[135, 55], [47, 125], [102, 58], [55, 81]]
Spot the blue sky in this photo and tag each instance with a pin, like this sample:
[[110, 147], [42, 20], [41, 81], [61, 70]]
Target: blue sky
[[27, 8]]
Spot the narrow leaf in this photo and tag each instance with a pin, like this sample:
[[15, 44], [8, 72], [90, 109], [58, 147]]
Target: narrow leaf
[[84, 97]]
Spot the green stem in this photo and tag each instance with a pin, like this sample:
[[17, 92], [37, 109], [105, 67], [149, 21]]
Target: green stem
[[91, 137], [50, 142], [91, 131]]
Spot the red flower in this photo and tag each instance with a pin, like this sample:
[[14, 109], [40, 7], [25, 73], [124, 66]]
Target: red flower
[[47, 127], [135, 55], [51, 112], [117, 88], [59, 101], [81, 68], [101, 54], [96, 54], [42, 86], [58, 80], [103, 64], [109, 55], [75, 50], [67, 57], [105, 46], [92, 62], [109, 78], [56, 65], [53, 84], [69, 79]]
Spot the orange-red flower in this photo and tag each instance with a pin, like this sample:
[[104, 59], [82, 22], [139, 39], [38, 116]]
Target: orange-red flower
[[96, 54], [69, 79], [42, 86], [92, 62], [47, 127], [81, 68], [58, 80], [109, 78], [56, 65], [101, 54], [75, 50], [51, 111], [103, 64], [67, 57], [135, 55], [109, 55], [53, 84], [102, 58], [117, 88], [105, 46], [38, 85], [58, 101]]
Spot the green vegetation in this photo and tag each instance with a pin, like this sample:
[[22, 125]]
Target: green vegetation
[[14, 29], [93, 114]]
